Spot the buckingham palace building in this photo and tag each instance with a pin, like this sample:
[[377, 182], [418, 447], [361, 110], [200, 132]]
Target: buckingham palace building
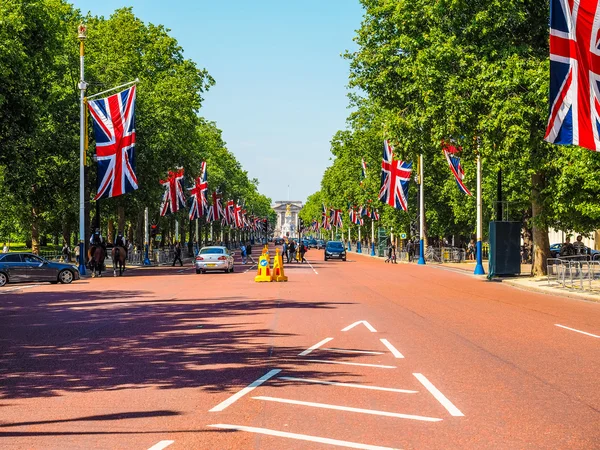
[[287, 217]]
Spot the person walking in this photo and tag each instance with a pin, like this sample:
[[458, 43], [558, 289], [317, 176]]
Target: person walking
[[243, 252], [5, 248], [393, 261], [285, 251], [389, 253], [410, 250], [292, 251], [66, 252], [302, 252], [177, 255]]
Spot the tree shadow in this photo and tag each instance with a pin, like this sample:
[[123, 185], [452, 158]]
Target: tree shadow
[[83, 341]]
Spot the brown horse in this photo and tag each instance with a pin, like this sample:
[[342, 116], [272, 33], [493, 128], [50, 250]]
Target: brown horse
[[96, 255], [119, 255]]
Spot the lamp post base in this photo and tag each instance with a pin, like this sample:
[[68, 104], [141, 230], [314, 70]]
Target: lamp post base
[[479, 266], [358, 248], [421, 253], [146, 258], [81, 268], [373, 249]]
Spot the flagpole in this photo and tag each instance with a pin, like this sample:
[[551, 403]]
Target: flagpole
[[372, 237], [421, 212], [176, 230], [358, 244], [479, 266], [349, 244], [146, 238], [82, 88]]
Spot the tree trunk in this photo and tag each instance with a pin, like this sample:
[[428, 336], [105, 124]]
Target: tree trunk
[[541, 243], [66, 231], [35, 231], [111, 231], [121, 219]]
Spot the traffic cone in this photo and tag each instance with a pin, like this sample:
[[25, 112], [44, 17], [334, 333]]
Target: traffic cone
[[278, 273]]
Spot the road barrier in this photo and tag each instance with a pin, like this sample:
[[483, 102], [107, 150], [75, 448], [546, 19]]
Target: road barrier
[[264, 271], [278, 273], [575, 272]]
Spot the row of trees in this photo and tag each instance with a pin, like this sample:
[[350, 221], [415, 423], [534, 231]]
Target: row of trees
[[39, 118], [477, 73]]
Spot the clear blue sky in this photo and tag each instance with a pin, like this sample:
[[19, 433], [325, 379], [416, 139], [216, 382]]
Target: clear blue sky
[[280, 91]]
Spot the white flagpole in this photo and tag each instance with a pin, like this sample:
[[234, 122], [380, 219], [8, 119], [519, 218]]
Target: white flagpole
[[479, 266], [176, 230], [372, 237], [359, 244], [422, 212], [146, 238], [349, 238], [82, 88]]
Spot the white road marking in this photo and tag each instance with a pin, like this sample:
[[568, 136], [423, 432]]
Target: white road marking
[[311, 266], [453, 410], [235, 397], [348, 363], [343, 350], [349, 408], [6, 291], [314, 347], [391, 348], [182, 270], [250, 268], [577, 331], [364, 322], [300, 437], [160, 445], [350, 385]]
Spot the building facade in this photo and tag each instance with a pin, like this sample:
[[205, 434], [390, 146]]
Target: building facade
[[289, 223]]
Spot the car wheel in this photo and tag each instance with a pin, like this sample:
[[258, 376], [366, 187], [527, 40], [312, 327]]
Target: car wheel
[[344, 259], [198, 271], [3, 279], [325, 259], [65, 276]]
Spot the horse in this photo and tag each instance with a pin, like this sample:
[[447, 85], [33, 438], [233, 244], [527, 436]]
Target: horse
[[119, 255], [96, 255]]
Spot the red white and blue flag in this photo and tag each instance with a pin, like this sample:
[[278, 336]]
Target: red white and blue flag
[[574, 73], [355, 216], [450, 152], [395, 176], [215, 210], [363, 168], [374, 215], [325, 219], [114, 129], [336, 218], [198, 194], [229, 216], [173, 198]]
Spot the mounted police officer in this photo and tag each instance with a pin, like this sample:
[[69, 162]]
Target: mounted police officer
[[120, 242], [97, 239]]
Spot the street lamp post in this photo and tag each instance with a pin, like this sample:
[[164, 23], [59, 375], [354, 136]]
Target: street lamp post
[[421, 212], [479, 266], [82, 88]]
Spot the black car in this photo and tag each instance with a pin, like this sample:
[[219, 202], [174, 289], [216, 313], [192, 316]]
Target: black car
[[27, 267], [312, 243], [335, 249], [278, 241]]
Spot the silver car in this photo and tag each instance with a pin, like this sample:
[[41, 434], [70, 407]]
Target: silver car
[[27, 267], [214, 258]]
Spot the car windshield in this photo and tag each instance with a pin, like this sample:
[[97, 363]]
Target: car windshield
[[211, 251], [335, 246]]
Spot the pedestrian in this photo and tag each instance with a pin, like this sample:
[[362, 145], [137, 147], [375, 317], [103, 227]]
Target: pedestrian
[[5, 248], [579, 246], [177, 255], [389, 253], [567, 249], [292, 251], [77, 253], [66, 252], [284, 251], [243, 252], [410, 250], [303, 250], [471, 250], [394, 254]]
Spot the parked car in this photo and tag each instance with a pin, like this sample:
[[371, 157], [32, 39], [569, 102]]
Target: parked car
[[320, 244], [312, 243], [27, 267], [335, 249], [555, 250], [214, 258]]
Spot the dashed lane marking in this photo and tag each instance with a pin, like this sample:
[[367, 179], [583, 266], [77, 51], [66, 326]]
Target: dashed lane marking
[[325, 361], [18, 288], [364, 322], [453, 410], [314, 347], [577, 331], [250, 268], [235, 397], [343, 350], [349, 385], [392, 349], [311, 266], [300, 437], [349, 409], [160, 445]]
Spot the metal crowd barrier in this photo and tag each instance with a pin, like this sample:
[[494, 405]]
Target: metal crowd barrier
[[575, 272], [445, 254]]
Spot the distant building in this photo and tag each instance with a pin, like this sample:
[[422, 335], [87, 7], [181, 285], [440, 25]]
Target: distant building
[[289, 223]]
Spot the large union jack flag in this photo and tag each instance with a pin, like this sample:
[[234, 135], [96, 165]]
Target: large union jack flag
[[198, 194], [574, 73], [173, 198], [215, 210], [114, 129], [229, 214], [336, 218], [325, 221], [395, 176], [450, 152]]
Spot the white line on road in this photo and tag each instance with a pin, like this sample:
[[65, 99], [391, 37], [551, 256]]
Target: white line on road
[[300, 437], [348, 363], [160, 445], [250, 268], [314, 347], [235, 397], [391, 348], [343, 350], [349, 408], [6, 291], [577, 331], [350, 385], [453, 410], [364, 322], [311, 266]]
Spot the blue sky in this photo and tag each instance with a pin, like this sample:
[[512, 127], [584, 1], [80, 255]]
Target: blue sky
[[280, 91]]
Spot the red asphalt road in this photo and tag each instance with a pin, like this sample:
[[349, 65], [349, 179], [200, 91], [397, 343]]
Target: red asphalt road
[[131, 362]]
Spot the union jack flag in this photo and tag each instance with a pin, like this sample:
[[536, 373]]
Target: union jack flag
[[363, 169], [374, 215], [315, 225], [114, 129], [229, 216], [395, 176], [336, 218], [574, 73], [325, 219], [237, 215], [198, 194], [355, 216], [173, 198], [215, 210], [450, 152]]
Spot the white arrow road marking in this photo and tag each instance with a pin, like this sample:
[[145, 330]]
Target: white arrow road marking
[[348, 408], [235, 397], [160, 445], [301, 437], [364, 322], [314, 347], [577, 331], [453, 410], [391, 348]]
